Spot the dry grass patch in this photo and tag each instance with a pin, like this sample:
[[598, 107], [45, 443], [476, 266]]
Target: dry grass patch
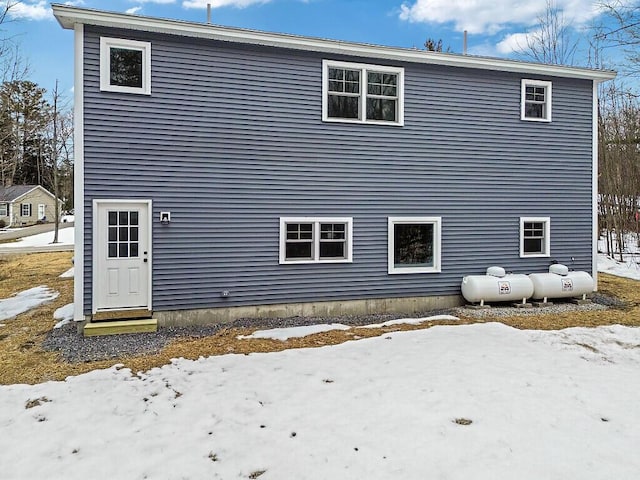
[[22, 359]]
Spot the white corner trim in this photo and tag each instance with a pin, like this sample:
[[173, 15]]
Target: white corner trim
[[594, 186], [547, 237], [78, 174], [316, 221], [68, 16], [548, 99], [437, 245], [106, 43]]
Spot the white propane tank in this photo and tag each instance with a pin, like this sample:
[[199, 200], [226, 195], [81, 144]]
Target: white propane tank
[[560, 283], [496, 286]]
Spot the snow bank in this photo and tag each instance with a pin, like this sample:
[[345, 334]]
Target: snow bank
[[411, 321], [294, 332], [64, 314], [68, 274]]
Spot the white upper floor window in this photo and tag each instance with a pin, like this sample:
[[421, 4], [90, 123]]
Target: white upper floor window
[[125, 66], [360, 93], [535, 101]]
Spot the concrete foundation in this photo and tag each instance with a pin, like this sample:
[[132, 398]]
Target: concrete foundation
[[407, 305]]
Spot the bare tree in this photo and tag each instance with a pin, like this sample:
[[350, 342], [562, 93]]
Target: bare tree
[[552, 40], [432, 45], [622, 30], [619, 166], [60, 150]]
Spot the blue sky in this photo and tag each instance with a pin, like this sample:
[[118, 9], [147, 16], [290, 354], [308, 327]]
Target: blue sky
[[496, 27]]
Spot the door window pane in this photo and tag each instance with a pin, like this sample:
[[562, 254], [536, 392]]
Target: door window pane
[[123, 237]]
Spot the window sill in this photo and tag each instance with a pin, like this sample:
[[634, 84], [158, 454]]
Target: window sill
[[308, 262], [534, 255], [363, 122], [130, 90], [537, 120], [404, 271]]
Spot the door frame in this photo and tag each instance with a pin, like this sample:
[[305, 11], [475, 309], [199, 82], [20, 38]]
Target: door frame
[[98, 202]]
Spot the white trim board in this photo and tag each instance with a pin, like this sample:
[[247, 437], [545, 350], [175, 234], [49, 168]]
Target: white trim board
[[69, 16], [78, 174]]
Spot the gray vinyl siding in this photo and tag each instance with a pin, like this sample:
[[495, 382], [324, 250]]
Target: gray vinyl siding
[[231, 139]]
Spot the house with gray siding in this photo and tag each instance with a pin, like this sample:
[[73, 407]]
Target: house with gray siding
[[223, 172]]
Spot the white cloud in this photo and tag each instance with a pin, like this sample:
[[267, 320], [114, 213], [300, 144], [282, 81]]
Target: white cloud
[[133, 10], [494, 16], [221, 3], [31, 10], [514, 42]]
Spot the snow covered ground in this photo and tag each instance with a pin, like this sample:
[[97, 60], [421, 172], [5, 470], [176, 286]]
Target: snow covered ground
[[529, 405], [65, 237], [629, 268], [25, 300], [64, 315]]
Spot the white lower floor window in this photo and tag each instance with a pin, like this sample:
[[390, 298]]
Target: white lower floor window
[[414, 244], [316, 239], [535, 238]]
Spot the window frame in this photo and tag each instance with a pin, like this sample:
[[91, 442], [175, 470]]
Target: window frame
[[22, 205], [316, 221], [364, 69], [546, 221], [437, 246], [4, 209], [106, 43], [523, 99]]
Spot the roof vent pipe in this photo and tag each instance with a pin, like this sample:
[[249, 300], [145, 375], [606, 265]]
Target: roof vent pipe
[[464, 43], [208, 13]]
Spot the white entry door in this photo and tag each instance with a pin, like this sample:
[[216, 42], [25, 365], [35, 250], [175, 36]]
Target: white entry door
[[42, 211], [122, 266]]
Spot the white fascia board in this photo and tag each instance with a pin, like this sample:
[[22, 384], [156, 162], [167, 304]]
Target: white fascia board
[[68, 16]]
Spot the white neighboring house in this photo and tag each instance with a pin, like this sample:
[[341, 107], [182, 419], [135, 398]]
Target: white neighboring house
[[22, 205]]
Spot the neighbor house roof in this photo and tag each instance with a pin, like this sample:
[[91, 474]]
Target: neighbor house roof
[[11, 194], [69, 16]]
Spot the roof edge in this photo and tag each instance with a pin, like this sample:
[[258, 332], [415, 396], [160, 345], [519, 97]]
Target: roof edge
[[68, 16]]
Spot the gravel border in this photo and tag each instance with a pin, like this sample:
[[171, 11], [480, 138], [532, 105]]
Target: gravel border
[[76, 348]]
